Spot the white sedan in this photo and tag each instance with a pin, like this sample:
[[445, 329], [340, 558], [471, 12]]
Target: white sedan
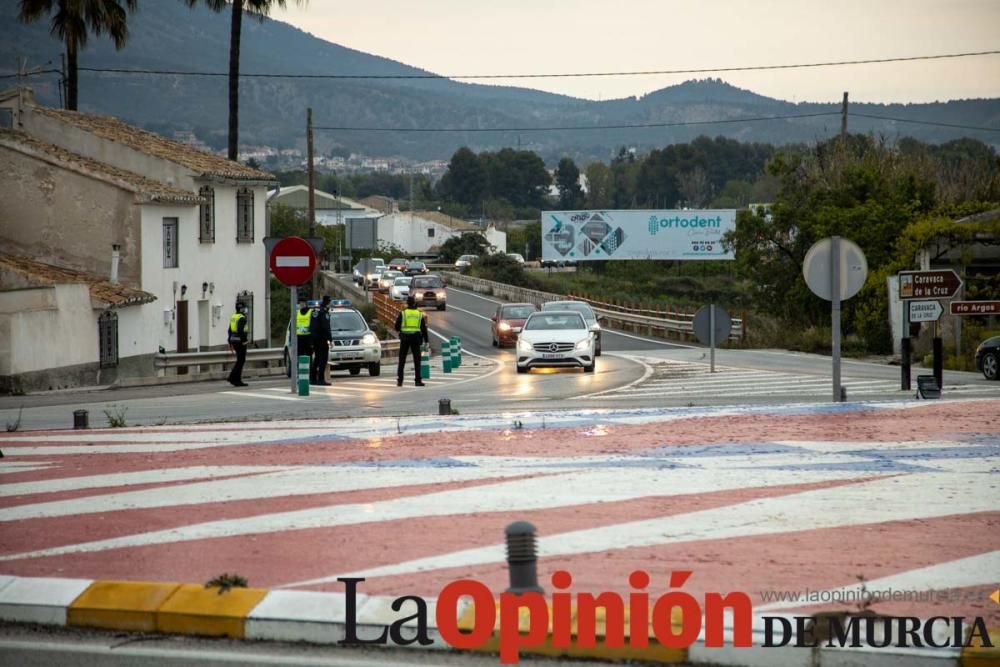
[[555, 338], [400, 288]]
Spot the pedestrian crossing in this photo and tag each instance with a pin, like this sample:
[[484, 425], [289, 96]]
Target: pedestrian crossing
[[682, 379], [367, 387]]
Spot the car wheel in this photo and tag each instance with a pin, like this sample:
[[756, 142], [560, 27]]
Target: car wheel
[[495, 342], [355, 370], [590, 368], [522, 369], [375, 369], [597, 350], [990, 363], [288, 365]]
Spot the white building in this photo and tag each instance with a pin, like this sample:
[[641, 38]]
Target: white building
[[330, 209], [186, 229], [421, 233]]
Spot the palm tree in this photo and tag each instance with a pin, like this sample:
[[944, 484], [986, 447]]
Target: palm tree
[[73, 21], [258, 9]]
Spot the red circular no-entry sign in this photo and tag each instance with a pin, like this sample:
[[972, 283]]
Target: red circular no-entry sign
[[293, 261]]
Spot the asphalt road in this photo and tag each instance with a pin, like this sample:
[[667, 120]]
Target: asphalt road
[[633, 371]]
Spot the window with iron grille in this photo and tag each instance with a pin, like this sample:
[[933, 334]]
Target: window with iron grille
[[245, 299], [206, 215], [244, 215], [170, 260], [430, 232], [107, 337]]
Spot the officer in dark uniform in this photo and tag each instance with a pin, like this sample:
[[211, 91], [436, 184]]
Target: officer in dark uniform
[[238, 344], [319, 330], [411, 323], [303, 322]]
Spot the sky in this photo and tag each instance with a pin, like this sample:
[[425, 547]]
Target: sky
[[492, 37]]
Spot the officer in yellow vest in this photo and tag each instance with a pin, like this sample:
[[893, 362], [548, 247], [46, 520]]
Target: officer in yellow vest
[[303, 317], [238, 344], [411, 323]]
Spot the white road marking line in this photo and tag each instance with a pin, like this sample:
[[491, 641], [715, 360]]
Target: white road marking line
[[159, 476], [272, 397]]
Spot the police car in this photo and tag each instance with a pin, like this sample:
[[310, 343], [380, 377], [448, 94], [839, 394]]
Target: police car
[[354, 345]]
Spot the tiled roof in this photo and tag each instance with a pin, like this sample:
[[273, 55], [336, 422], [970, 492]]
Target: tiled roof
[[448, 221], [379, 203], [150, 190], [102, 291], [112, 129]]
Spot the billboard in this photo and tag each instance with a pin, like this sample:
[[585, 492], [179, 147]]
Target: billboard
[[599, 235]]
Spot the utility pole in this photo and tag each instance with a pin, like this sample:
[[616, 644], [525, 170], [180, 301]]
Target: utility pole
[[312, 187], [843, 119], [63, 83]]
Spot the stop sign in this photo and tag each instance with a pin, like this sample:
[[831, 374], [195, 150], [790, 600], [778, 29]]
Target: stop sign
[[293, 261]]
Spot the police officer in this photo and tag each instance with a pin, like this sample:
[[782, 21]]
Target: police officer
[[303, 320], [319, 330], [411, 323], [238, 344]]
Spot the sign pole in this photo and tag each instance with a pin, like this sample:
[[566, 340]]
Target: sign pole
[[293, 340], [711, 328], [835, 312]]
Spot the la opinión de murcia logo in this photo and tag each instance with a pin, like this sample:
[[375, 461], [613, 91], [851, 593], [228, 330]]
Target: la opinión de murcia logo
[[646, 611]]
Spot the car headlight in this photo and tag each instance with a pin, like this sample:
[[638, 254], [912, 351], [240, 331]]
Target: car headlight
[[369, 338], [583, 345], [440, 294], [503, 326], [523, 345]]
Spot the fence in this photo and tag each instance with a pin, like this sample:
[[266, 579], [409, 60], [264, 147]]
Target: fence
[[386, 309], [661, 322]]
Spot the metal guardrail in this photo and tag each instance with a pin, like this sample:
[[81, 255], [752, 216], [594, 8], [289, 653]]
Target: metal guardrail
[[175, 359], [616, 316]]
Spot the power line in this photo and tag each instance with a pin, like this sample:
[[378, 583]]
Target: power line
[[706, 70], [925, 122], [27, 74]]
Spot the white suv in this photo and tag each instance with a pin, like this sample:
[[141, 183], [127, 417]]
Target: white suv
[[354, 345]]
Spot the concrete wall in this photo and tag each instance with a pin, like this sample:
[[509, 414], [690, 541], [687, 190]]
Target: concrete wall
[[410, 232], [497, 238], [229, 268], [46, 327], [61, 217]]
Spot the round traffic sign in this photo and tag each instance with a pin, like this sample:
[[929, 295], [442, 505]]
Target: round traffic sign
[[293, 261], [702, 325], [817, 265]]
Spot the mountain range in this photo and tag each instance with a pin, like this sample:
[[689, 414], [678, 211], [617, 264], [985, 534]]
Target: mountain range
[[165, 35]]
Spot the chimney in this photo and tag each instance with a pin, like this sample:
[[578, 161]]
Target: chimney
[[114, 263]]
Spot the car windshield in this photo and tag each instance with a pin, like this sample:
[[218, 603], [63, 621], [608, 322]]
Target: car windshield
[[543, 321], [402, 281], [390, 274], [398, 260], [427, 282], [516, 312], [576, 306], [466, 258], [416, 265], [346, 320]]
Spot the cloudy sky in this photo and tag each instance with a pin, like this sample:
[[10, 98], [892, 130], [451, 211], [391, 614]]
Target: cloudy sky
[[459, 37]]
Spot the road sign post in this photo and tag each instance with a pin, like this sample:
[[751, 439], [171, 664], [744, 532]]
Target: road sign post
[[293, 262], [711, 324], [925, 311]]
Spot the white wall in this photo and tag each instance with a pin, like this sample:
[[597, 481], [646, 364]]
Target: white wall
[[232, 267], [410, 232], [497, 238], [47, 327]]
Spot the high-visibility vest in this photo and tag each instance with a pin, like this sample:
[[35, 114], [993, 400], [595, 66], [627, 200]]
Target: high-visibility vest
[[302, 322], [411, 321], [234, 322]]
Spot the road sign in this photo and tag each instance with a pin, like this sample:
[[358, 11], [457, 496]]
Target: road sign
[[925, 311], [293, 261], [702, 325], [939, 284], [975, 307], [853, 269]]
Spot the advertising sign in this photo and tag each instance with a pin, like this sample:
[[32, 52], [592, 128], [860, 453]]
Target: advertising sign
[[597, 235]]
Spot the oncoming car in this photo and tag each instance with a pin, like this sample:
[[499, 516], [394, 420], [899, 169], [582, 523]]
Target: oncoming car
[[988, 358], [387, 279], [465, 261], [588, 314], [354, 345], [400, 288], [556, 338], [429, 291], [507, 322]]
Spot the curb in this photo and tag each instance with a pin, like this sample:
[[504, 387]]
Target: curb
[[320, 618]]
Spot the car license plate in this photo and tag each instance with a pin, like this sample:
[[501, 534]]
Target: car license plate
[[555, 355]]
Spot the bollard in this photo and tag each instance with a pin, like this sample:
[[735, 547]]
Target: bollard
[[425, 362], [446, 356], [303, 375], [80, 419], [444, 406], [456, 351], [522, 558]]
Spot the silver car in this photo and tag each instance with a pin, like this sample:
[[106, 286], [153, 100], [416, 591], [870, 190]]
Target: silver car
[[554, 338], [400, 288], [584, 309]]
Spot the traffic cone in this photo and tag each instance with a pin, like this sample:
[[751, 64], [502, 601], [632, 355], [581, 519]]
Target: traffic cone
[[425, 362], [446, 356]]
